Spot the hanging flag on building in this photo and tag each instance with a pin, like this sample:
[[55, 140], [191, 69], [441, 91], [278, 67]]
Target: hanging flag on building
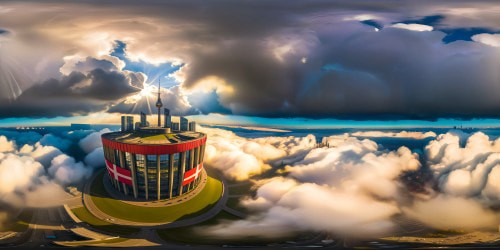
[[192, 174], [120, 174]]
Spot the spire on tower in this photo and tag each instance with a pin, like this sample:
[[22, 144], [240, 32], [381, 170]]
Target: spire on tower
[[159, 104]]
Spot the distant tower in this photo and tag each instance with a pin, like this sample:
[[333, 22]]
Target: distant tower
[[143, 120], [184, 124], [127, 123], [192, 126], [175, 126], [159, 104], [168, 119], [130, 123], [124, 123]]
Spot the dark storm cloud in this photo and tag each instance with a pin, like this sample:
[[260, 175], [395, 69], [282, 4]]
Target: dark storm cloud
[[76, 93], [311, 58], [91, 63]]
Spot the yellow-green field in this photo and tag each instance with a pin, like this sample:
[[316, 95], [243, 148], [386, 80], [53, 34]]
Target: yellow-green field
[[83, 214], [195, 206]]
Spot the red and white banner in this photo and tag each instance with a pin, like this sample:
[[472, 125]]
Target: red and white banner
[[119, 174], [192, 174]]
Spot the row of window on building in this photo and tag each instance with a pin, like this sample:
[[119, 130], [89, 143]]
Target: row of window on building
[[151, 183]]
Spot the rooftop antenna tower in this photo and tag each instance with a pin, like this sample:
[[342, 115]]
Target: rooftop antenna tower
[[159, 104]]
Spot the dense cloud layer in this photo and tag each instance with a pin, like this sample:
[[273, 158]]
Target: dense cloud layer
[[402, 134], [354, 187], [351, 187], [35, 174], [76, 93], [268, 58], [239, 157]]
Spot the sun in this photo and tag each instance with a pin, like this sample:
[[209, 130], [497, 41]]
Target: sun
[[146, 92]]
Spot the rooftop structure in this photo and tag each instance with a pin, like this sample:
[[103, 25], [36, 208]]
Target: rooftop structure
[[154, 163], [159, 104]]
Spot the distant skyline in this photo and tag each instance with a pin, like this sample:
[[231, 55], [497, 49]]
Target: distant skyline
[[270, 63], [262, 122]]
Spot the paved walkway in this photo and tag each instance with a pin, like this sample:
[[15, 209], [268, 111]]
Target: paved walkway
[[180, 223], [234, 212]]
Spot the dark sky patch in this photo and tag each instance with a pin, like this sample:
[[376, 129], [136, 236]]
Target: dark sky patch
[[433, 20], [464, 34], [372, 23]]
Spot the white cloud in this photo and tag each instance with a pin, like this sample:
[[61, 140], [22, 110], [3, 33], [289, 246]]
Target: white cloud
[[92, 141], [6, 145], [402, 134], [488, 39], [349, 188], [65, 170], [448, 212], [464, 170], [42, 154], [17, 172], [363, 17], [95, 158], [413, 26], [35, 174], [58, 142], [240, 158]]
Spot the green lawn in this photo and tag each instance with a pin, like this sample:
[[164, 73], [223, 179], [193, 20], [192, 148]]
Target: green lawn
[[196, 205], [99, 224], [154, 137]]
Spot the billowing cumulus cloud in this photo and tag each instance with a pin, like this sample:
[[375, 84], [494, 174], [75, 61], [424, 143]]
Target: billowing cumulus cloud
[[355, 187], [92, 141], [95, 158], [239, 157], [279, 65], [35, 174], [17, 172], [53, 140], [467, 169], [350, 188], [6, 145], [489, 39], [66, 170]]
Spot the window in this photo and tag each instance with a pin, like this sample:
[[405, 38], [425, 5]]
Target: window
[[188, 160], [128, 160], [197, 156], [164, 169], [175, 182], [117, 158], [202, 153], [140, 161], [151, 167]]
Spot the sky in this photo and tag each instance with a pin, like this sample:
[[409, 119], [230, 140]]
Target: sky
[[270, 63]]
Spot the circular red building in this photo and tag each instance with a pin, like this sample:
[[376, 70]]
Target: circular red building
[[154, 163]]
